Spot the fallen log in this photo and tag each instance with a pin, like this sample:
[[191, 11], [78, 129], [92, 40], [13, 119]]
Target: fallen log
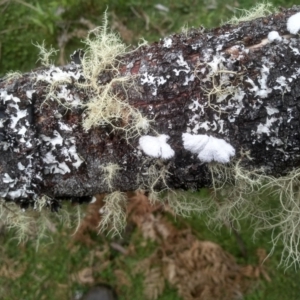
[[230, 93], [195, 109]]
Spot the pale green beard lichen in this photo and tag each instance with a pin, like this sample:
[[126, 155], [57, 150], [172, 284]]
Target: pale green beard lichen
[[270, 203], [184, 204], [103, 54], [35, 223], [45, 54], [113, 219], [12, 75], [110, 171], [156, 174], [261, 10]]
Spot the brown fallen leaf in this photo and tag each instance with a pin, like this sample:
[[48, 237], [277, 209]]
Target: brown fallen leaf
[[84, 276], [122, 278], [11, 269]]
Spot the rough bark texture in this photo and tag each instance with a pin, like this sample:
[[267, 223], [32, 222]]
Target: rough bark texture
[[231, 83]]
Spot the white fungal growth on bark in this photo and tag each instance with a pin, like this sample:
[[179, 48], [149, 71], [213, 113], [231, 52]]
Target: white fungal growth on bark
[[293, 23], [274, 36], [208, 148], [156, 146]]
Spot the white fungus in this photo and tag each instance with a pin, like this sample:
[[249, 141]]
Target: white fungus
[[274, 36], [156, 146], [293, 23], [208, 148]]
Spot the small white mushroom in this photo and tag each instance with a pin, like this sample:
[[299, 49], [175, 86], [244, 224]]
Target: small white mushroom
[[156, 146], [208, 148], [293, 23]]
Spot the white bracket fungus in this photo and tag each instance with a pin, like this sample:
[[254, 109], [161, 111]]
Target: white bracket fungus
[[293, 23], [208, 148], [156, 146]]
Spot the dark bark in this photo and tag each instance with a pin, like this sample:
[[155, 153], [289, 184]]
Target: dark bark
[[259, 115]]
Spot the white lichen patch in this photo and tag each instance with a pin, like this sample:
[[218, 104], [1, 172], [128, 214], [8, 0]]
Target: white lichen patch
[[55, 75], [263, 90], [274, 36], [183, 66], [153, 81], [293, 23], [188, 79], [7, 178], [29, 94], [283, 85], [290, 115], [208, 148], [266, 127], [19, 138], [156, 147], [271, 110], [64, 127], [167, 42], [59, 152], [20, 114]]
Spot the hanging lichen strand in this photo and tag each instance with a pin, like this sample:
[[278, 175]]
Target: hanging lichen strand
[[203, 108]]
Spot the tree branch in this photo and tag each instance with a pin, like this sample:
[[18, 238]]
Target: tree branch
[[223, 95]]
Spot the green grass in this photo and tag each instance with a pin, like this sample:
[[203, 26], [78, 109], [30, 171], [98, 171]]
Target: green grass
[[46, 273], [57, 21]]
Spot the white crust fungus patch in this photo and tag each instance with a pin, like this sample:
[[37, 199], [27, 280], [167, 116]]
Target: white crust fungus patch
[[293, 23], [208, 148], [156, 146]]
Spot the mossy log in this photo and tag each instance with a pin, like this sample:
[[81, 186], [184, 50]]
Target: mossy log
[[234, 90]]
